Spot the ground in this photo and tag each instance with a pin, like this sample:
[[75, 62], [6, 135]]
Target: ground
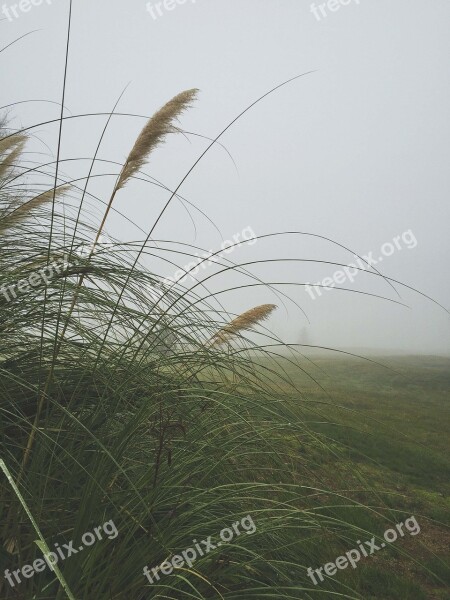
[[392, 416]]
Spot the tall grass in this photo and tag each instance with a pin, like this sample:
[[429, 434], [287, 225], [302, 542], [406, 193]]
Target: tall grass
[[128, 399], [117, 406]]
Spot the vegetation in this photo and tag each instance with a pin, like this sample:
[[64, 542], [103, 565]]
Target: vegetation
[[126, 399]]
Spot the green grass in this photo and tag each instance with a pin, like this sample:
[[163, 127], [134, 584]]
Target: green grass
[[393, 424]]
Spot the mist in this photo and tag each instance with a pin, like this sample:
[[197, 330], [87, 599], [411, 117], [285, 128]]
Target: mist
[[352, 156]]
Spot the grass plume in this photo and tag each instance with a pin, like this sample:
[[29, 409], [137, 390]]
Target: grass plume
[[243, 322], [24, 211], [11, 149], [153, 134]]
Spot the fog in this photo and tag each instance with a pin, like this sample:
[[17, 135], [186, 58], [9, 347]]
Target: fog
[[354, 152]]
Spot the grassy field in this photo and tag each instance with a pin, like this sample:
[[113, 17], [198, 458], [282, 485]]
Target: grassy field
[[388, 423]]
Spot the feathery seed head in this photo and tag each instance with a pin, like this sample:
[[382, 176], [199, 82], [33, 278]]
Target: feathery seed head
[[24, 210], [153, 134], [243, 322]]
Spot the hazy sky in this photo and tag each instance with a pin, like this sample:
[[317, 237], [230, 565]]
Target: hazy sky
[[357, 151]]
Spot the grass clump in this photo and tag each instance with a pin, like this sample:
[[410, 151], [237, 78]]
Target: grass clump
[[117, 407]]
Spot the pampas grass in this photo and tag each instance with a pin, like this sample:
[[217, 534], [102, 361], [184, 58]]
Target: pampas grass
[[127, 415], [244, 322], [11, 149], [25, 210], [154, 133]]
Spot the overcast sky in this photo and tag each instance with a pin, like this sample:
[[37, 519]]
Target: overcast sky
[[356, 151]]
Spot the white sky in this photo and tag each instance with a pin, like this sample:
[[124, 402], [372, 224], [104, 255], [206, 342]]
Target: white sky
[[357, 151]]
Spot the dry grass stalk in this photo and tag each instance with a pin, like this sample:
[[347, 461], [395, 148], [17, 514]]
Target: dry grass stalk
[[24, 210], [154, 133], [13, 145], [7, 144], [244, 322]]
